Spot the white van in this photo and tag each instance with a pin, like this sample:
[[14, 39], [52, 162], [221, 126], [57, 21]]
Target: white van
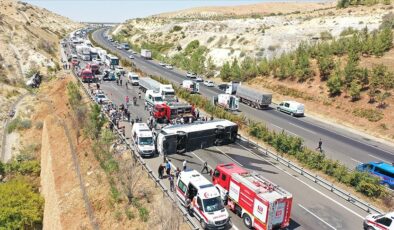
[[291, 107], [153, 98], [133, 78], [142, 137], [206, 202]]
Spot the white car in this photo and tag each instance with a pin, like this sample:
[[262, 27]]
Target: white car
[[209, 83], [169, 67], [133, 52], [162, 64], [199, 79], [101, 98], [379, 221], [131, 56], [190, 74]]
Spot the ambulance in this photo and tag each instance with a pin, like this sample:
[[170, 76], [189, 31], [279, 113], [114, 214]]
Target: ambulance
[[206, 203]]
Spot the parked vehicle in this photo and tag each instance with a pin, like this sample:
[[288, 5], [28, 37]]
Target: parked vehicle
[[133, 78], [199, 79], [226, 101], [153, 98], [253, 98], [169, 67], [229, 88], [379, 221], [125, 46], [380, 169], [86, 75], [109, 76], [119, 71], [166, 91], [142, 137], [208, 83], [291, 107], [162, 64], [101, 99], [147, 54], [165, 112], [93, 67], [131, 56], [191, 86], [259, 202], [190, 74], [207, 205], [188, 137]]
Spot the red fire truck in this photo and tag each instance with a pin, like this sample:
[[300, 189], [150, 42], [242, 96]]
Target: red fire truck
[[262, 204], [86, 75], [173, 110]]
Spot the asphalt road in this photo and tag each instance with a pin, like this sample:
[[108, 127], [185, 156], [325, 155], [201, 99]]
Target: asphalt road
[[338, 143]]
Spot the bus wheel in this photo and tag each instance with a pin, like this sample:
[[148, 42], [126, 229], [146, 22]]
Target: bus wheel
[[247, 221]]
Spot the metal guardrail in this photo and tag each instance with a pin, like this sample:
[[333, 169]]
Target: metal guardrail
[[141, 161], [315, 178]]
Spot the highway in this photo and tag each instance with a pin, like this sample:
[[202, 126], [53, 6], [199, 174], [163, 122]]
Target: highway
[[313, 206], [338, 143]]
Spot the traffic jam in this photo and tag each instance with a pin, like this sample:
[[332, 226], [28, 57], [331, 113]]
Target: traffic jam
[[177, 127]]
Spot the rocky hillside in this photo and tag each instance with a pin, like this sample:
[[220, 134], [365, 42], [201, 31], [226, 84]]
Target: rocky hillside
[[29, 38]]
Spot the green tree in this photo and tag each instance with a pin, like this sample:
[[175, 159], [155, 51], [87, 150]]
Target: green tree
[[20, 206], [350, 72], [235, 70], [96, 122], [248, 68], [343, 3], [383, 41], [355, 90], [334, 83], [302, 66], [264, 67], [225, 72], [326, 64]]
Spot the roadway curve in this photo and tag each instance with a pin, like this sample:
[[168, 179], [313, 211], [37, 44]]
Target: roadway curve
[[313, 206], [338, 143]]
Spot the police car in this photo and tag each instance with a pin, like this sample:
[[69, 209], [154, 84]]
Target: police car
[[379, 221]]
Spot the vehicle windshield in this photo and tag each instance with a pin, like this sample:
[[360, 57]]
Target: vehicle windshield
[[134, 78], [171, 93], [87, 75], [146, 141], [100, 96], [158, 99], [213, 204]]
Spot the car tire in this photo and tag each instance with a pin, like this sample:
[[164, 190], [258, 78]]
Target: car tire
[[203, 224], [292, 114], [247, 221]]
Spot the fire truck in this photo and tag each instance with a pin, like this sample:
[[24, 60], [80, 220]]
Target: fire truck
[[169, 111], [86, 75], [260, 203]]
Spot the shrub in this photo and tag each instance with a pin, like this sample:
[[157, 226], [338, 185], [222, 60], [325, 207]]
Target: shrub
[[144, 214], [47, 46], [210, 39], [325, 35], [18, 124], [39, 125], [372, 115], [176, 28], [30, 167], [115, 194], [129, 214]]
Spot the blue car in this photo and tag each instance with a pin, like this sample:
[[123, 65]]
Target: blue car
[[380, 169]]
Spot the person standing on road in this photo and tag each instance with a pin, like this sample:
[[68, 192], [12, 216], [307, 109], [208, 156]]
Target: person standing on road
[[139, 95], [161, 171], [184, 165], [320, 145], [168, 167], [126, 85], [205, 167], [171, 179], [127, 100]]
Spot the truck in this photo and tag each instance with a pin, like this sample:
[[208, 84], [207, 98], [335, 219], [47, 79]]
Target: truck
[[125, 46], [259, 202], [111, 60], [197, 135], [206, 203], [168, 111], [133, 78], [191, 86], [226, 101], [86, 75], [142, 137], [153, 98], [254, 98], [83, 52], [166, 91], [229, 88], [93, 53], [146, 54]]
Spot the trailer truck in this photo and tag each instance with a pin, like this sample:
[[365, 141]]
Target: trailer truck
[[254, 98], [166, 91], [260, 203], [191, 86], [146, 54], [188, 137]]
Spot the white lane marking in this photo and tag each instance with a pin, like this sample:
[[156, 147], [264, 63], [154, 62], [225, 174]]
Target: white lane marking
[[313, 214], [376, 157], [228, 156], [314, 189], [355, 160], [201, 160], [303, 128]]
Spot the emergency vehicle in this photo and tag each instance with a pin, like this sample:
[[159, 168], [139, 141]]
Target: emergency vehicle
[[86, 75], [204, 197], [143, 139], [379, 221], [169, 111], [226, 101], [191, 86], [262, 204]]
